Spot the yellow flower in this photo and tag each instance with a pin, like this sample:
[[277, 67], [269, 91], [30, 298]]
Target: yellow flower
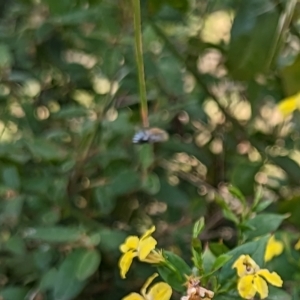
[[274, 248], [143, 248], [289, 105], [253, 279], [297, 246], [159, 291]]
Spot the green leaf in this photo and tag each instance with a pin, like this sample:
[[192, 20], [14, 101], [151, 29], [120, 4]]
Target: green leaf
[[11, 177], [290, 77], [218, 248], [6, 58], [175, 276], [289, 166], [243, 178], [262, 205], [16, 245], [46, 150], [255, 30], [11, 210], [67, 285], [125, 182], [146, 156], [208, 260], [198, 227], [151, 184], [14, 293], [55, 234], [220, 261], [234, 191], [263, 224], [88, 264], [48, 280]]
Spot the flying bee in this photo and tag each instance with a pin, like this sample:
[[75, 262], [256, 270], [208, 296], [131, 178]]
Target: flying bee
[[150, 135]]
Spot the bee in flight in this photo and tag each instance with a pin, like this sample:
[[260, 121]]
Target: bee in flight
[[150, 135]]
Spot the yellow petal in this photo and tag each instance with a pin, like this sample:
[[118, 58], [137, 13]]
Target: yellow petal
[[125, 262], [272, 278], [245, 265], [246, 288], [147, 283], [297, 246], [133, 296], [274, 248], [160, 291], [148, 233], [289, 105], [131, 243], [146, 246], [261, 286]]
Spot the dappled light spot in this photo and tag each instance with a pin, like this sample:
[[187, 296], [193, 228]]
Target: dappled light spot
[[31, 88], [84, 98], [42, 113], [4, 90], [53, 106], [111, 115], [183, 117], [80, 202], [213, 111], [217, 27], [189, 83], [216, 146], [103, 86], [16, 110], [211, 62], [78, 57]]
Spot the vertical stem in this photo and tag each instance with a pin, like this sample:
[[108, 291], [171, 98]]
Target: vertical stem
[[140, 61]]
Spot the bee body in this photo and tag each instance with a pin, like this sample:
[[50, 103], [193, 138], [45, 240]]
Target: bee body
[[150, 135]]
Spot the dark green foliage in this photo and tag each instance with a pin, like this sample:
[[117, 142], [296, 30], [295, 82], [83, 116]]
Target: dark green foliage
[[73, 185]]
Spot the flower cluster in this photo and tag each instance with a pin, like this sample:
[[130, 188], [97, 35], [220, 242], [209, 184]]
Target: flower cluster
[[144, 249], [196, 291], [252, 279]]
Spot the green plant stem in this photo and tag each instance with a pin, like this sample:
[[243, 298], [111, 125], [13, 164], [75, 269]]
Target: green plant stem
[[140, 61]]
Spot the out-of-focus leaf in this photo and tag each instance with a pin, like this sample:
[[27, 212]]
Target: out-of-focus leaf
[[289, 166], [255, 30], [16, 245], [292, 207], [151, 184], [125, 182], [11, 209], [172, 195], [263, 223], [243, 176], [67, 286], [14, 293], [57, 234], [6, 58], [46, 150], [88, 264], [11, 177], [290, 77], [104, 199]]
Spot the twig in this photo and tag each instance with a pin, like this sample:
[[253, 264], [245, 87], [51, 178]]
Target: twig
[[140, 61]]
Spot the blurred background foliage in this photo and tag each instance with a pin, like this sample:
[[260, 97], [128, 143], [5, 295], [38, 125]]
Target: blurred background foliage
[[73, 185]]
